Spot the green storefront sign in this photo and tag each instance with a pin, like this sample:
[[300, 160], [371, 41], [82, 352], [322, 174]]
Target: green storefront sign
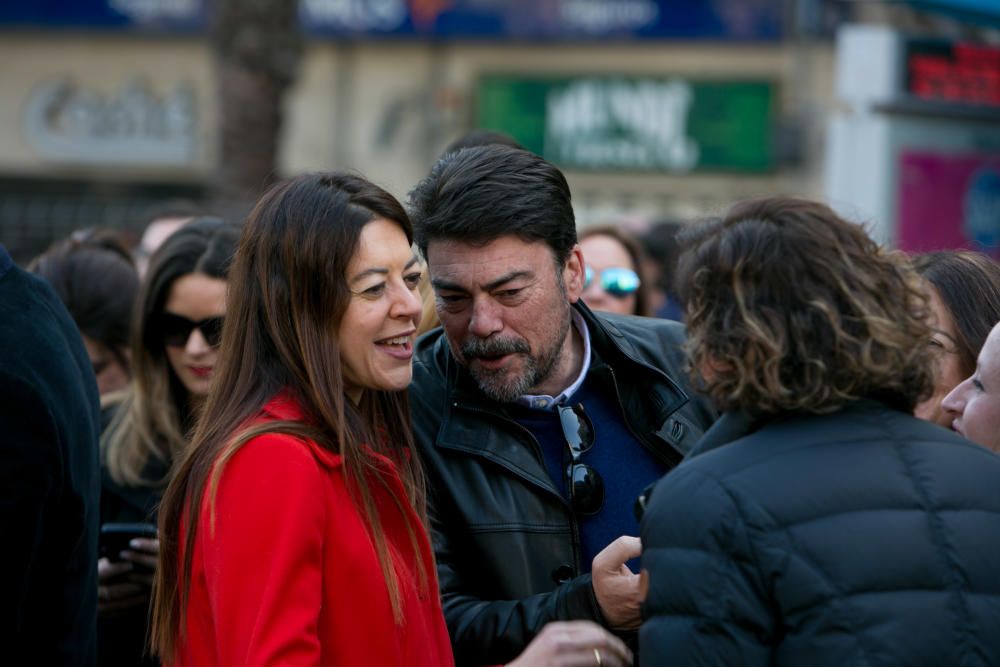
[[643, 124]]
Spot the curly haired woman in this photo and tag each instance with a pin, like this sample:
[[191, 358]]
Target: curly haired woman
[[818, 522]]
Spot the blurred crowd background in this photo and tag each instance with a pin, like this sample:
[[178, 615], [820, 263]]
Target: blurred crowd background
[[655, 109], [132, 125]]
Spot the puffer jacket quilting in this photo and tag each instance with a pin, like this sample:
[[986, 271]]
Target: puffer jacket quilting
[[864, 537]]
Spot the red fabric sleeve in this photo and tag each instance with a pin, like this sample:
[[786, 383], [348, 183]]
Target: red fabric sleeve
[[263, 564]]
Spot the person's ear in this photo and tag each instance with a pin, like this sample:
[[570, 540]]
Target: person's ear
[[573, 274]]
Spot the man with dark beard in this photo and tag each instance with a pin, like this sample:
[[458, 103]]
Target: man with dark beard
[[539, 421]]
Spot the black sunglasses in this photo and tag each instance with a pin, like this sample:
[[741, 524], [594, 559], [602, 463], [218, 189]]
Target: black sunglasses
[[176, 330], [586, 487]]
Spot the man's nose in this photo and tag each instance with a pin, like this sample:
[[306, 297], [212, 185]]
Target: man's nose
[[486, 318]]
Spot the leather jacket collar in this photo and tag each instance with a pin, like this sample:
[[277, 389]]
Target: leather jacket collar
[[648, 395], [608, 344]]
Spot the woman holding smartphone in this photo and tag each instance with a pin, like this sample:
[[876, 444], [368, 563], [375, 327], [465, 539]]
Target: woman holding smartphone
[[175, 337], [294, 531]]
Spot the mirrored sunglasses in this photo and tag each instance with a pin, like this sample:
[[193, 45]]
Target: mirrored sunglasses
[[619, 282], [176, 330]]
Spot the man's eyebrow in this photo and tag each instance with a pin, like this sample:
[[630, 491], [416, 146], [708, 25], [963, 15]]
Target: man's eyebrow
[[441, 283], [513, 275], [381, 271]]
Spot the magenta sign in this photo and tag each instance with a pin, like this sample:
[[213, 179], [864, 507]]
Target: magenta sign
[[949, 201]]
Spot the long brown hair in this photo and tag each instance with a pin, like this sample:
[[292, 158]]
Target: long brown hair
[[287, 295], [155, 415]]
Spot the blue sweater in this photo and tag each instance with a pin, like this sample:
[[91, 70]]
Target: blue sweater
[[624, 464]]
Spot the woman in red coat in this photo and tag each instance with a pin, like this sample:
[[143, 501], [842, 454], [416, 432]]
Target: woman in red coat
[[293, 532]]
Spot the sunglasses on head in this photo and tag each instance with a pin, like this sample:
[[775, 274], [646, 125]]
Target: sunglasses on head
[[586, 486], [176, 329], [619, 282]]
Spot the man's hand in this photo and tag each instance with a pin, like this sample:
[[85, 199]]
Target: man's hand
[[566, 643], [615, 586]]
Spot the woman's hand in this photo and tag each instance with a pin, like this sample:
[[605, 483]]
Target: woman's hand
[[114, 590], [574, 643], [126, 583], [144, 553]]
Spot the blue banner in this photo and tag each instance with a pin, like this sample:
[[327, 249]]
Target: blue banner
[[549, 19], [159, 15], [535, 20]]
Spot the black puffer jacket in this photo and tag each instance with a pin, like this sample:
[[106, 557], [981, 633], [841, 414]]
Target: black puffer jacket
[[864, 537], [506, 542]]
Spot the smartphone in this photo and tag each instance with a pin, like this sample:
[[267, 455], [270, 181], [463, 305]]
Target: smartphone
[[115, 537]]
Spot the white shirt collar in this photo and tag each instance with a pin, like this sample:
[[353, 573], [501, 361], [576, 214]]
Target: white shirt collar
[[543, 402]]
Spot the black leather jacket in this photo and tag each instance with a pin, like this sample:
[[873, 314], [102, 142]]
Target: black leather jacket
[[507, 544]]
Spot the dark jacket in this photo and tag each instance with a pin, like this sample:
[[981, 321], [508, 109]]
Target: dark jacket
[[121, 503], [49, 478], [507, 543], [121, 631], [863, 537]]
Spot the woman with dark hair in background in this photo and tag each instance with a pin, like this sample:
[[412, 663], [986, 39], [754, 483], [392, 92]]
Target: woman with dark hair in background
[[93, 276], [614, 273], [175, 337], [818, 522], [964, 291]]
